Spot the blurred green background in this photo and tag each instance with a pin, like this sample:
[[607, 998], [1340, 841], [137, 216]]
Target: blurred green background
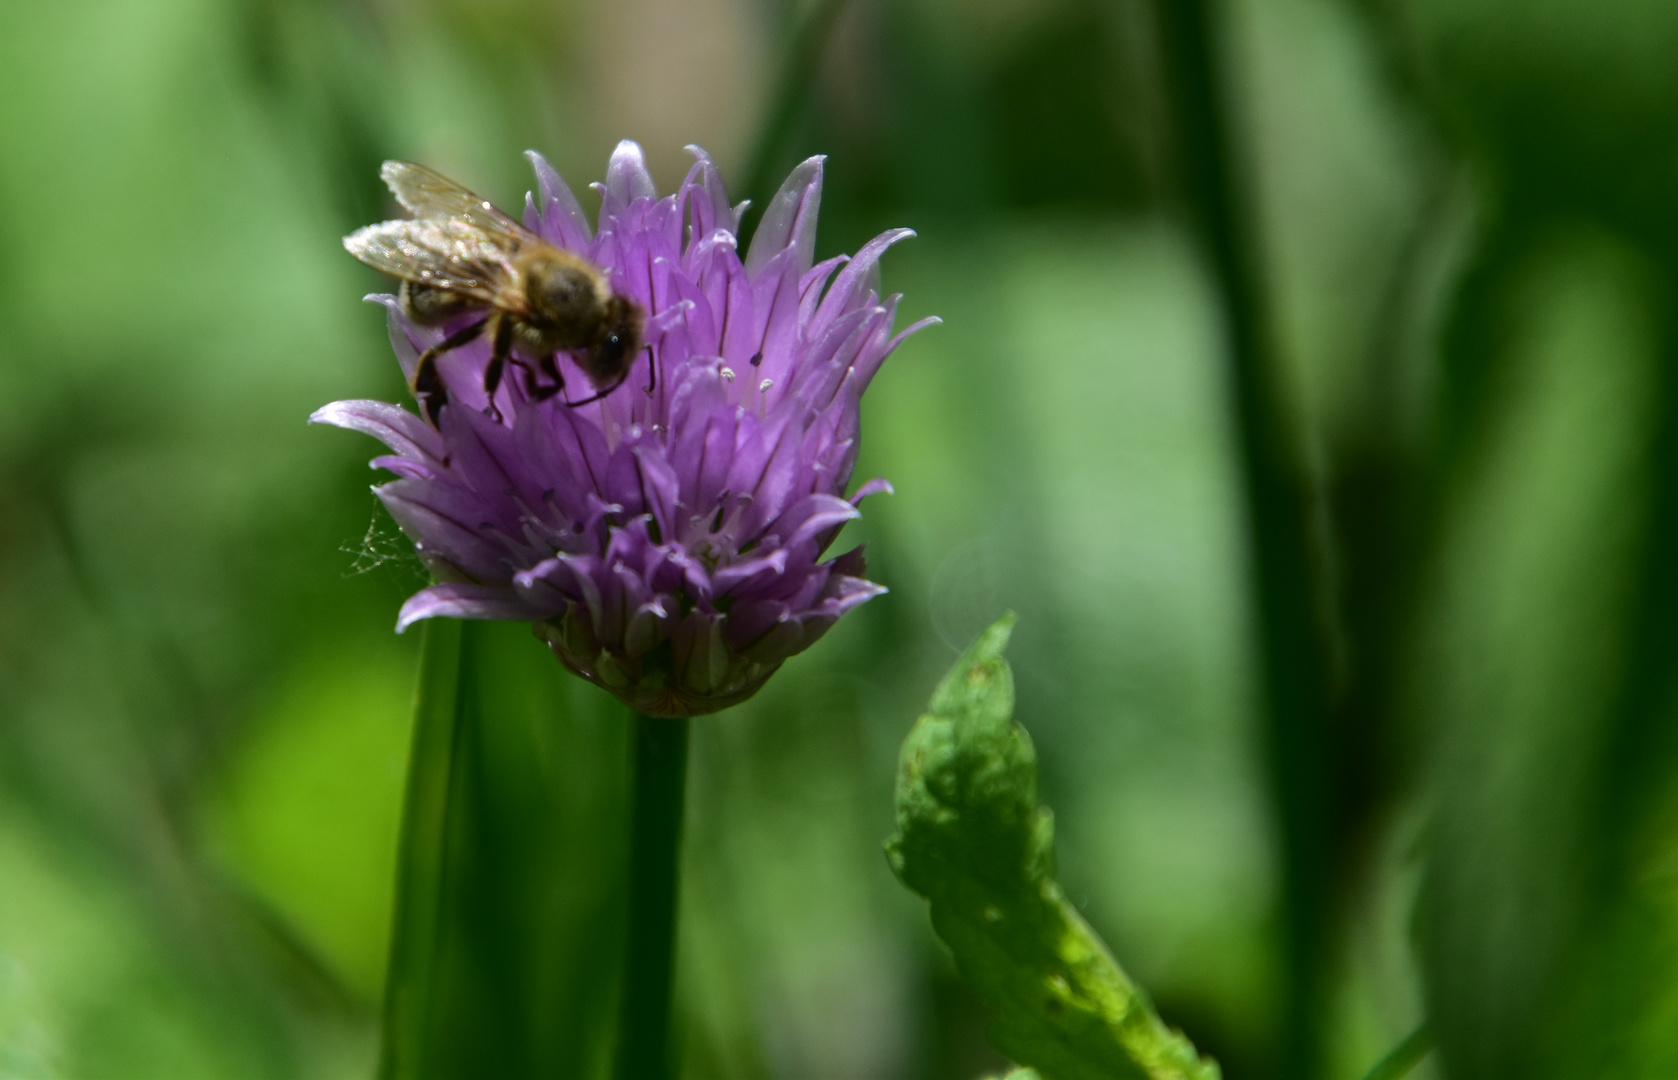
[[1463, 219]]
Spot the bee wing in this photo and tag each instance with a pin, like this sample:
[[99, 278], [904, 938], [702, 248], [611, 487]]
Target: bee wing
[[446, 253], [426, 193]]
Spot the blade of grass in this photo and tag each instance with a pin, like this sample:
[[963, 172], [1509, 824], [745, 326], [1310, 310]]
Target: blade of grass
[[416, 923], [1292, 648], [794, 84], [1403, 1057]]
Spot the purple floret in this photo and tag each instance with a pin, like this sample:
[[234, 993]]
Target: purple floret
[[666, 545]]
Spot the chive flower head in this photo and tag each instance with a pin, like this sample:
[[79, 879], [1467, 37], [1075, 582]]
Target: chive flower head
[[667, 544]]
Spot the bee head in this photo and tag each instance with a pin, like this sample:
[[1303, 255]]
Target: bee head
[[618, 346]]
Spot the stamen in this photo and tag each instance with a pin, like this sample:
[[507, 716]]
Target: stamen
[[726, 372], [765, 385]]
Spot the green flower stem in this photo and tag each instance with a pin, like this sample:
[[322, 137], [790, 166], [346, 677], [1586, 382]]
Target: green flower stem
[[657, 789], [416, 922]]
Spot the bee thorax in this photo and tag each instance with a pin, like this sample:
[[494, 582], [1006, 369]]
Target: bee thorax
[[567, 302]]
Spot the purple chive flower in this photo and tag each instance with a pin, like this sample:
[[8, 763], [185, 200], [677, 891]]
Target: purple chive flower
[[666, 545]]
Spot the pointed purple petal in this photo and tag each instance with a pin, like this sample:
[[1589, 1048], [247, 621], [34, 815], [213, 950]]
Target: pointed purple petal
[[556, 194], [852, 285], [392, 425], [913, 328], [710, 198], [815, 514], [741, 576], [441, 535], [627, 177], [458, 601], [542, 587], [789, 221], [810, 285], [404, 337], [845, 593], [404, 467], [660, 488], [878, 485]]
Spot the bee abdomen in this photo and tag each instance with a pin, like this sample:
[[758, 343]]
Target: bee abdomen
[[431, 306]]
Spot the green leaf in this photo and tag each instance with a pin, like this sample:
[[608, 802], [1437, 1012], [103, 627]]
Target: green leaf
[[510, 915], [419, 883], [973, 841]]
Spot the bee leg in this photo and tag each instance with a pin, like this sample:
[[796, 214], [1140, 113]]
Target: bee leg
[[529, 374], [503, 338], [590, 400], [492, 381], [428, 384], [550, 368]]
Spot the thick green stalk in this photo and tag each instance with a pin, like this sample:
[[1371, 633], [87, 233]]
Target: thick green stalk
[[657, 789], [1292, 647], [416, 923]]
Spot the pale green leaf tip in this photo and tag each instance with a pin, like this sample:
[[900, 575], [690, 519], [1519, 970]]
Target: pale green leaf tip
[[985, 649], [978, 667], [988, 645], [972, 839]]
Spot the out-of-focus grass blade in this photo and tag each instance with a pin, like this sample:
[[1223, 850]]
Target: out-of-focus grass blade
[[420, 861], [973, 841], [1403, 1057], [1533, 618], [799, 62], [1289, 580]]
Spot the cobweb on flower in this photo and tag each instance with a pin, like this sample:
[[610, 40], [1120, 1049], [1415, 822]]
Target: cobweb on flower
[[383, 547]]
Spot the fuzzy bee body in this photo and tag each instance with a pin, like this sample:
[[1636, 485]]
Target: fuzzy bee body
[[428, 305], [460, 256]]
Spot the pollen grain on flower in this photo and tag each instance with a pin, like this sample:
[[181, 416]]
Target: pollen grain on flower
[[666, 541]]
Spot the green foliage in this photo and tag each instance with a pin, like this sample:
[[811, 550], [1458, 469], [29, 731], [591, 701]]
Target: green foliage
[[420, 871], [972, 839], [525, 897], [306, 815], [1403, 1057]]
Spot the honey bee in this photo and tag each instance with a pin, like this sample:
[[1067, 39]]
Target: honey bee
[[460, 255]]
